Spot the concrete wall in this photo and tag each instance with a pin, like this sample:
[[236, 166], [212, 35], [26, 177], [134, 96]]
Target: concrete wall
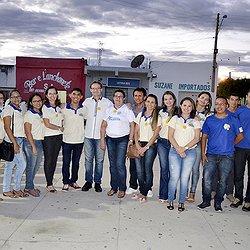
[[7, 77]]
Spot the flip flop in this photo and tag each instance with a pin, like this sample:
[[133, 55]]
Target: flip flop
[[10, 194]]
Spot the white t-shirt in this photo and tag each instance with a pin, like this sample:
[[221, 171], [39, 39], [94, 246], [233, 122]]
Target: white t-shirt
[[96, 110], [18, 128], [145, 128], [118, 120], [164, 120], [184, 129], [55, 117], [1, 124], [37, 124], [73, 123]]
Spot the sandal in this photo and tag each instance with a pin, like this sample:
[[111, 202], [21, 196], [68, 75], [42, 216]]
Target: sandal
[[32, 192], [9, 194], [143, 199], [111, 192], [121, 194], [20, 193], [181, 207], [74, 185], [65, 187], [191, 198], [170, 205], [135, 196], [51, 189]]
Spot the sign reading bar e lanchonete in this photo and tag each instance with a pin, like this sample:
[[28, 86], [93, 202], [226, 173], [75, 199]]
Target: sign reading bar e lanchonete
[[123, 82], [35, 75]]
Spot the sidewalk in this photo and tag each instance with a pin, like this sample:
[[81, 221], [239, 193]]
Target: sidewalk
[[93, 221]]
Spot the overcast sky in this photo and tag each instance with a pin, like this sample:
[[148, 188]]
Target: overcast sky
[[162, 30]]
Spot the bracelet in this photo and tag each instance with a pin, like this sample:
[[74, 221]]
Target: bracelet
[[130, 140]]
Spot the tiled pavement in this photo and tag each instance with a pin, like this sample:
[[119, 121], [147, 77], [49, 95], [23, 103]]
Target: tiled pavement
[[90, 220]]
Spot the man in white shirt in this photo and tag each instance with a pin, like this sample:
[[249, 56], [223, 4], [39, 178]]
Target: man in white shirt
[[96, 107]]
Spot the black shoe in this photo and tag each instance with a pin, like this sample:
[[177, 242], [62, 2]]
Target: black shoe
[[236, 203], [204, 205], [246, 207], [87, 186], [98, 187], [218, 208], [170, 205], [181, 207]]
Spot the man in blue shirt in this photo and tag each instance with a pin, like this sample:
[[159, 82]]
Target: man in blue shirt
[[242, 155], [220, 133]]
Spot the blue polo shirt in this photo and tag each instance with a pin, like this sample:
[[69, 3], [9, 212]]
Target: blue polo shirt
[[243, 114], [221, 134]]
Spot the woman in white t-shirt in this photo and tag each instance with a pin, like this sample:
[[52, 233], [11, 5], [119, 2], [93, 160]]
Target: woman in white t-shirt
[[183, 134], [118, 124], [203, 107], [146, 131], [33, 149], [1, 119], [168, 110], [14, 132], [52, 116]]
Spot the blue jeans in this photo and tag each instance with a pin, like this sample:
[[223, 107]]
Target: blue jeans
[[196, 169], [33, 162], [117, 149], [222, 163], [133, 174], [74, 152], [20, 163], [180, 168], [163, 147], [144, 168], [92, 151]]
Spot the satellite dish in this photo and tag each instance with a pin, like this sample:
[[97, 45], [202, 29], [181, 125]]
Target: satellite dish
[[137, 61]]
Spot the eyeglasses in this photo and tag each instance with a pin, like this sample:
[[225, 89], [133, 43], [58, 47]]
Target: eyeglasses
[[118, 96], [15, 97]]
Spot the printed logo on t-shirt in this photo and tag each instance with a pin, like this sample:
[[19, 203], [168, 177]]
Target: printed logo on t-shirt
[[111, 118], [226, 126]]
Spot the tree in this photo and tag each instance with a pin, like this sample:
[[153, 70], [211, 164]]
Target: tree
[[229, 86]]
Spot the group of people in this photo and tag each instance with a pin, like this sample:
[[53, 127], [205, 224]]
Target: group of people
[[185, 138]]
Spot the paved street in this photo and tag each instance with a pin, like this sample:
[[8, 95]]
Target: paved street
[[94, 221]]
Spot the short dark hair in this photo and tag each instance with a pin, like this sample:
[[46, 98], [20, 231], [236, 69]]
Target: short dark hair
[[222, 97], [233, 94], [14, 90], [97, 83], [144, 92], [76, 89], [121, 91]]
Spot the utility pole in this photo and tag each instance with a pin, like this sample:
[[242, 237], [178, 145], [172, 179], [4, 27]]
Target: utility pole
[[215, 66], [215, 53]]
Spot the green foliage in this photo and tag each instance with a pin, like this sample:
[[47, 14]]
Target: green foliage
[[229, 86]]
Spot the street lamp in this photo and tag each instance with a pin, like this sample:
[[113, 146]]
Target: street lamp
[[218, 27]]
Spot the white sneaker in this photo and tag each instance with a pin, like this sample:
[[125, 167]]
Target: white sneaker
[[150, 194], [131, 191]]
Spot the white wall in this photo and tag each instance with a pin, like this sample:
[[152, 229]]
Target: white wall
[[182, 78]]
